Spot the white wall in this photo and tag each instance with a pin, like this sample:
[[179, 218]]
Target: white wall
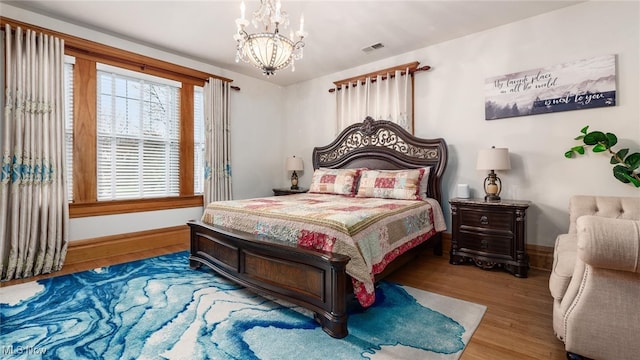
[[256, 137], [449, 103]]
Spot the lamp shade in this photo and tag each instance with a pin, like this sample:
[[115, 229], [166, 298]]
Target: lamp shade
[[493, 159], [294, 164]]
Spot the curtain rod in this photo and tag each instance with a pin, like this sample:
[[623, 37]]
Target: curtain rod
[[362, 82], [232, 87]]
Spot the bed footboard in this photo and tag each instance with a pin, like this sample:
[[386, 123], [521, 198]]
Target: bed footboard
[[314, 280]]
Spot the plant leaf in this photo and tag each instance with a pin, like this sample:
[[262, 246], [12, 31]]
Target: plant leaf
[[622, 173], [599, 148], [579, 149], [633, 161], [595, 137], [622, 153], [632, 180], [614, 160], [626, 167]]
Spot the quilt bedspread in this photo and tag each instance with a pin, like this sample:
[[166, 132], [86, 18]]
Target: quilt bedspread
[[371, 231]]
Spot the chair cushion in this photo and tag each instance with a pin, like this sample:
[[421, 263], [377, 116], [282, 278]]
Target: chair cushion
[[564, 261]]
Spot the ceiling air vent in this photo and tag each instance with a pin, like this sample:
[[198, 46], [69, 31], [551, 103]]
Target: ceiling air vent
[[370, 48]]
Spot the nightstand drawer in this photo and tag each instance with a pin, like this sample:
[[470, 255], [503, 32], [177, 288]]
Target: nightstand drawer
[[485, 243], [484, 219]]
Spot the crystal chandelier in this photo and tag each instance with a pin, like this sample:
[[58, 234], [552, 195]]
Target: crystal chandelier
[[268, 50]]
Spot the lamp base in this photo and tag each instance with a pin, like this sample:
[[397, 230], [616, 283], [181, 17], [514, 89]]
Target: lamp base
[[492, 187], [294, 181], [492, 198]]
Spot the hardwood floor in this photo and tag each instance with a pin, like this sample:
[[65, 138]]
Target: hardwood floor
[[517, 324], [100, 262], [518, 321]]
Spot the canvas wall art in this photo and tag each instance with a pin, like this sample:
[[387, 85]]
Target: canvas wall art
[[581, 84]]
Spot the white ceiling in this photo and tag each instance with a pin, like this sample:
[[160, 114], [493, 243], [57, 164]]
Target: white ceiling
[[338, 30]]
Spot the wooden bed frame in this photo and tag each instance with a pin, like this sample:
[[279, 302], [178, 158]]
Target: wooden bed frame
[[313, 279]]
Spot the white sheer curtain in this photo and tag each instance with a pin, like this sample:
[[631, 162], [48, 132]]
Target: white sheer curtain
[[389, 99], [34, 213], [217, 146], [353, 103]]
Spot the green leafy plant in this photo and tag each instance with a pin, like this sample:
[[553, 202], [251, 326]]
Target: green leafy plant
[[626, 165]]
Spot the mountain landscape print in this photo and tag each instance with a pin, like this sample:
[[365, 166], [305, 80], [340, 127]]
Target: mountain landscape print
[[581, 84]]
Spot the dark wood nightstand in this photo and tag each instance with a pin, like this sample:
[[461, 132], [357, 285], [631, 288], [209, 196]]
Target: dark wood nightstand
[[288, 191], [490, 234]]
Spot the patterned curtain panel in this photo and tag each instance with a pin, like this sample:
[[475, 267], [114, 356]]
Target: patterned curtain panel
[[389, 99], [217, 147], [34, 213]]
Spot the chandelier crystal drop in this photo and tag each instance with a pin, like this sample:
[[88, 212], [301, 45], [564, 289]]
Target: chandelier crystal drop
[[269, 50]]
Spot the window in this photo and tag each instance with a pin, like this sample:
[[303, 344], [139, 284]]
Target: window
[[131, 139], [138, 118], [153, 112], [198, 140]]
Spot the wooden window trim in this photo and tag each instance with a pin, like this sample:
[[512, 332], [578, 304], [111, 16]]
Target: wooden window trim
[[84, 131], [78, 210], [186, 140]]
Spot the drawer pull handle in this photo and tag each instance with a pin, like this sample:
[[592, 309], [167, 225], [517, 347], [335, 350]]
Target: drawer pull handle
[[484, 220], [484, 244]]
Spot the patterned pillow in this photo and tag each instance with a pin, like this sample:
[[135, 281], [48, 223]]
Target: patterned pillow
[[335, 181], [391, 184], [424, 183]]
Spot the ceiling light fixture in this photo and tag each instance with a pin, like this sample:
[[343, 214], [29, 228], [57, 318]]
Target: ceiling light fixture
[[269, 51]]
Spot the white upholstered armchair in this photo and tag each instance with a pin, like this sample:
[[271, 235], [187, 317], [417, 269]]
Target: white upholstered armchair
[[595, 279]]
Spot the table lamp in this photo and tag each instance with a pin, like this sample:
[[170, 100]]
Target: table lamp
[[294, 164], [493, 159]]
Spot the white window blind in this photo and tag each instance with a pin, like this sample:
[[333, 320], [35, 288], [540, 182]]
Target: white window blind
[[68, 122], [198, 140], [138, 135]]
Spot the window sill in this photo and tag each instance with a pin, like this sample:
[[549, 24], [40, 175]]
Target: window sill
[[77, 210]]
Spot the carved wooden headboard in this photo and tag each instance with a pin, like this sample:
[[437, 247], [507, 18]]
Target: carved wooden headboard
[[383, 145]]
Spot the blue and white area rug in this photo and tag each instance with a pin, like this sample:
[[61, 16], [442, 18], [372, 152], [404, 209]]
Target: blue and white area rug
[[159, 308]]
